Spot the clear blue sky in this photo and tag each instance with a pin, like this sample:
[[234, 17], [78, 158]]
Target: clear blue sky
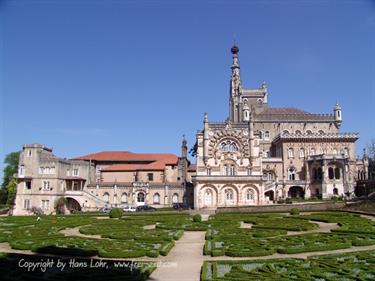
[[85, 76]]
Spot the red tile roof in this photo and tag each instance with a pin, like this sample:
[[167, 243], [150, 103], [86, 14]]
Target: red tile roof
[[126, 156], [283, 110], [154, 166]]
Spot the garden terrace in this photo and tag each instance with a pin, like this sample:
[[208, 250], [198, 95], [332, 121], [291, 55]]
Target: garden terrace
[[350, 266], [120, 238], [268, 234]]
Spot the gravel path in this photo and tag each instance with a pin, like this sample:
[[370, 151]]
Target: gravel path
[[75, 232], [186, 259]]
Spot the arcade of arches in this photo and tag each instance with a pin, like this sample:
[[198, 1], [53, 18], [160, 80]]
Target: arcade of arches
[[211, 196]]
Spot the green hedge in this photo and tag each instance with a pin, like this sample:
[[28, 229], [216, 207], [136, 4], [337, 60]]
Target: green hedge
[[116, 213]]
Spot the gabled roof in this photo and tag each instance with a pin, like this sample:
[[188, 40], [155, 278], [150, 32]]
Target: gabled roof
[[126, 156]]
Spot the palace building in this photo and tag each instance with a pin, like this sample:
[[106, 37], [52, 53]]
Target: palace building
[[103, 179], [259, 155], [263, 154]]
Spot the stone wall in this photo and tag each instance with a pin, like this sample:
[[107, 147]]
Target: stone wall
[[307, 207]]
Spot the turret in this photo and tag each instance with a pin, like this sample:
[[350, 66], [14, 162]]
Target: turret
[[182, 161], [264, 87], [235, 110], [184, 147], [205, 138], [338, 115]]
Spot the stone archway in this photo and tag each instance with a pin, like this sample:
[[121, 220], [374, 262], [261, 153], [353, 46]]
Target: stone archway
[[229, 196], [250, 195], [208, 197], [72, 205], [296, 192]]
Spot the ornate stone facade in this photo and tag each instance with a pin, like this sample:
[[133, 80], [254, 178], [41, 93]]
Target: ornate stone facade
[[260, 155]]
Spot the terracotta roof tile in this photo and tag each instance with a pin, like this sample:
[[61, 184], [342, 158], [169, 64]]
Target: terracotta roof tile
[[154, 166], [126, 156]]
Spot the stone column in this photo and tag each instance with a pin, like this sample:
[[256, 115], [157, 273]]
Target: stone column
[[324, 179]]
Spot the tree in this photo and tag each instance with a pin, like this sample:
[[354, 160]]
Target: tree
[[11, 191], [11, 168], [60, 205]]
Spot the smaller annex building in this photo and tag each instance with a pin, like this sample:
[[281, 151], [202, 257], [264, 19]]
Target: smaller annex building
[[103, 179]]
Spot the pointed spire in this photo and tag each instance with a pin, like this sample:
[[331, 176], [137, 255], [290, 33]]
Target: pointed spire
[[205, 120], [184, 142], [337, 106]]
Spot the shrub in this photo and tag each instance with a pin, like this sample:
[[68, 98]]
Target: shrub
[[294, 211], [116, 213], [197, 218], [288, 201], [60, 205]]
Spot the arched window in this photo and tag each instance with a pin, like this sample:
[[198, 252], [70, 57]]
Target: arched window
[[175, 198], [321, 132], [228, 146], [292, 174], [261, 135], [266, 135], [301, 153], [285, 132], [335, 191], [156, 198], [124, 198], [208, 198], [312, 151], [309, 132], [140, 197], [330, 173], [268, 176], [334, 151], [228, 195], [250, 195], [298, 132], [290, 152], [337, 173], [106, 197], [346, 151]]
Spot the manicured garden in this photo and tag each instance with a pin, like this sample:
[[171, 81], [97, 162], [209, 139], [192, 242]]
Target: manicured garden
[[127, 237], [350, 266], [267, 234]]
